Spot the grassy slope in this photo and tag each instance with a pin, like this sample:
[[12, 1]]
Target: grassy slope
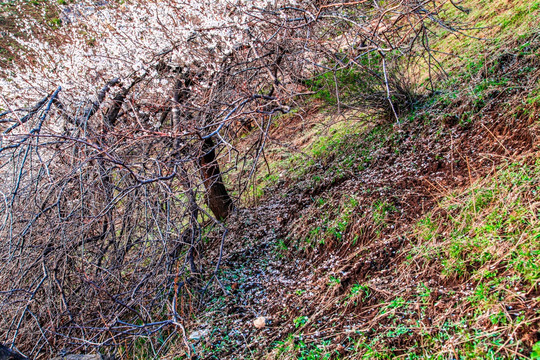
[[466, 284], [420, 240]]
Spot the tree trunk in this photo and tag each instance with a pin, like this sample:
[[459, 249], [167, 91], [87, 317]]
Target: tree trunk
[[217, 197]]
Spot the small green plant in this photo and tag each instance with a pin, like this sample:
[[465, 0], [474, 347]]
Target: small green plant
[[358, 289], [398, 331], [498, 318], [535, 353], [334, 281], [300, 321], [381, 210], [396, 303], [296, 348], [282, 246], [423, 292]]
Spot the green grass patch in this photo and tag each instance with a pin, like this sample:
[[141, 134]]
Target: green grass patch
[[494, 218]]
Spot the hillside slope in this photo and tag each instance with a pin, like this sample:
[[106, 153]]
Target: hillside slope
[[382, 240]]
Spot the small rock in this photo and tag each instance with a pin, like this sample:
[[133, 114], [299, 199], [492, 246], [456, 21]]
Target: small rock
[[198, 334], [259, 322]]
